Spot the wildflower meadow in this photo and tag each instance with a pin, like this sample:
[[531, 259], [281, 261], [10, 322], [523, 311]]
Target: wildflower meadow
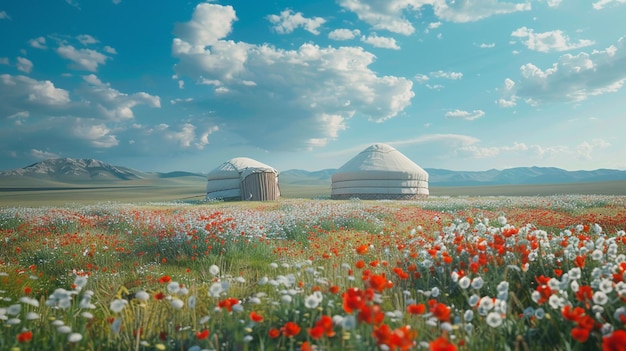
[[484, 273]]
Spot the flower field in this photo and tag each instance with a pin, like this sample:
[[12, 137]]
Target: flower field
[[489, 273]]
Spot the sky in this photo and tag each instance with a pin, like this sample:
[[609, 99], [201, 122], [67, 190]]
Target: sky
[[164, 86]]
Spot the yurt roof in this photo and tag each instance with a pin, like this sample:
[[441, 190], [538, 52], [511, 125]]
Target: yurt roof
[[381, 157], [239, 167]]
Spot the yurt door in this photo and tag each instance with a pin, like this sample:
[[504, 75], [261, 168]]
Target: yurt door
[[259, 186]]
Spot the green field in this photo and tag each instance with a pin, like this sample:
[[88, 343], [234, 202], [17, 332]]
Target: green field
[[192, 188]]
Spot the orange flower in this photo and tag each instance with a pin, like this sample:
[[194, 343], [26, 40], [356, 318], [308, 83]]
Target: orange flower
[[25, 336], [201, 335], [359, 264], [573, 315], [255, 317], [290, 329], [441, 312], [165, 279], [334, 289], [377, 282], [362, 250], [614, 342], [306, 346]]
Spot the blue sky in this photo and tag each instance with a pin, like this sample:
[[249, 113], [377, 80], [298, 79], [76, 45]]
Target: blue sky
[[187, 85]]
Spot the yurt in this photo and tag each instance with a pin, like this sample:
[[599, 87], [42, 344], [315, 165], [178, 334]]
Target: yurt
[[380, 172], [243, 178]]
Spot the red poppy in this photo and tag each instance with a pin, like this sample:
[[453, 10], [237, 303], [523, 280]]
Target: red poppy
[[201, 335], [25, 336], [573, 315], [377, 282], [165, 279], [274, 333], [441, 312], [290, 329], [306, 346], [228, 303], [159, 296], [255, 317], [442, 344], [416, 308], [614, 342], [362, 250], [580, 334]]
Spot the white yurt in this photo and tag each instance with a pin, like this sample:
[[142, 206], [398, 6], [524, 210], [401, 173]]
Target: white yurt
[[243, 178], [380, 172]]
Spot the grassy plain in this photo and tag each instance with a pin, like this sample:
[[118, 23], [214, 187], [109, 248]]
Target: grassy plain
[[192, 188]]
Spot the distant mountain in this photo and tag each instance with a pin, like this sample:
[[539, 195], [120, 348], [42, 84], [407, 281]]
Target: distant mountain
[[70, 169], [510, 176], [84, 171]]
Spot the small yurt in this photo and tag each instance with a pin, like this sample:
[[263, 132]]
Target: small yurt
[[380, 172], [243, 178]]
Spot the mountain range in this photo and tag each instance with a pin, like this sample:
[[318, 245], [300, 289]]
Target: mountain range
[[84, 170]]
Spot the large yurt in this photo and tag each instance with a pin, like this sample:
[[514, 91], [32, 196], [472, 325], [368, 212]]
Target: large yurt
[[243, 178], [380, 172]]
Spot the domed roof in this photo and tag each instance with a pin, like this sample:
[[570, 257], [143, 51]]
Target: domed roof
[[381, 157], [239, 167]]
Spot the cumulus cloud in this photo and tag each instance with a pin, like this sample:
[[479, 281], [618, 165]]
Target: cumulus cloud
[[391, 15], [599, 5], [19, 91], [548, 41], [82, 59], [98, 135], [572, 78], [38, 43], [288, 21], [380, 42], [25, 65], [344, 34], [292, 91], [466, 115], [446, 75], [111, 103]]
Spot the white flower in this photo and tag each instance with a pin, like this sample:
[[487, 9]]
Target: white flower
[[173, 287], [606, 286], [142, 296], [240, 279], [29, 301], [177, 304], [503, 287], [494, 319], [574, 273], [116, 325], [502, 220], [191, 302], [597, 255], [14, 309], [118, 305], [31, 316], [477, 283], [64, 329], [468, 315], [74, 337], [80, 282], [248, 338], [285, 298], [600, 298], [214, 270], [313, 300], [263, 281], [464, 282], [273, 265], [87, 315]]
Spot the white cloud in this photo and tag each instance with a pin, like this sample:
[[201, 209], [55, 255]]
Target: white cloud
[[466, 115], [474, 10], [43, 155], [25, 65], [487, 46], [586, 149], [110, 50], [113, 104], [343, 34], [446, 75], [380, 42], [288, 21], [87, 39], [391, 15], [548, 41], [209, 23], [84, 59], [38, 43], [421, 78], [599, 5], [98, 135], [289, 90], [186, 136], [573, 77], [22, 88], [4, 15]]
